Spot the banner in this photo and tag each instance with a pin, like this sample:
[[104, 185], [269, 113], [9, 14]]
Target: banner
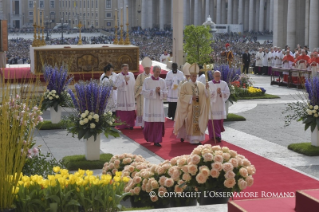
[[3, 35]]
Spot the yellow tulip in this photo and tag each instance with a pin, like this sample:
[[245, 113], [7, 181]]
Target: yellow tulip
[[56, 169], [89, 173]]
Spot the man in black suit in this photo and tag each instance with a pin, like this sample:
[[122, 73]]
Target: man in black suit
[[246, 61]]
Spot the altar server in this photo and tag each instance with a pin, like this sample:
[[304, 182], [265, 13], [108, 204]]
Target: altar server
[[192, 110], [147, 64], [270, 59], [265, 62], [173, 78], [125, 83], [279, 57], [154, 92], [106, 80], [219, 93]]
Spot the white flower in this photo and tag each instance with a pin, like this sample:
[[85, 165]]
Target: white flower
[[56, 96], [110, 112], [315, 115], [310, 106], [316, 107], [92, 125], [109, 122], [50, 98], [309, 112], [53, 91], [83, 115], [314, 111], [86, 112], [96, 116], [48, 90], [85, 120], [68, 95], [112, 119], [90, 117], [91, 113], [81, 122], [97, 120]]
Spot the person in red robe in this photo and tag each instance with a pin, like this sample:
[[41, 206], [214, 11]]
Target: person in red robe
[[303, 58], [287, 63]]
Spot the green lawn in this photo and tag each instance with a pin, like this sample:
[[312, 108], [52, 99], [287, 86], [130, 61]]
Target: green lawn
[[305, 149], [234, 117], [47, 125], [266, 96], [75, 162]]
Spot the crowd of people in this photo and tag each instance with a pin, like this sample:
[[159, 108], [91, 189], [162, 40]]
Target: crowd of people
[[152, 43]]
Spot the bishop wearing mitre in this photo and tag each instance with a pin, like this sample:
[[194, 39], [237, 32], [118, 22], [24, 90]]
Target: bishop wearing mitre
[[139, 98], [192, 109], [125, 111]]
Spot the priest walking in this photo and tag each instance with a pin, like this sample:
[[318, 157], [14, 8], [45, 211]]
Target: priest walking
[[173, 78], [192, 110], [154, 92], [146, 63], [219, 93], [125, 83]]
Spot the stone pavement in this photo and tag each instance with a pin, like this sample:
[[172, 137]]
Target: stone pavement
[[263, 133]]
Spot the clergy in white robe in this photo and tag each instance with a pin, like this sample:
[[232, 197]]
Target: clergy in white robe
[[270, 57], [202, 77], [265, 62], [279, 57], [105, 79], [113, 78], [154, 92], [163, 57], [192, 110], [219, 93], [125, 110], [173, 78], [147, 64], [259, 60]]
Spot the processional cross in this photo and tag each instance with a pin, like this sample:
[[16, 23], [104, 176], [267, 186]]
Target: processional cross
[[80, 38]]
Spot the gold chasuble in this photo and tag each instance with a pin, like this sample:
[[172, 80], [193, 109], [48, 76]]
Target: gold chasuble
[[194, 116]]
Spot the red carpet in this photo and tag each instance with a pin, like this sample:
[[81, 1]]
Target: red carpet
[[269, 177]]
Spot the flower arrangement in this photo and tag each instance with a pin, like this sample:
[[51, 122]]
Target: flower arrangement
[[91, 117], [70, 191], [215, 168], [57, 81], [120, 162]]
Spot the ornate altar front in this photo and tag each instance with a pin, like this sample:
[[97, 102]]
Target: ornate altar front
[[82, 59]]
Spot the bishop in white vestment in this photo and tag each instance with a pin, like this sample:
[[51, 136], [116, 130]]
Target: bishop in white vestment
[[173, 78], [147, 64], [125, 83], [219, 93], [154, 92]]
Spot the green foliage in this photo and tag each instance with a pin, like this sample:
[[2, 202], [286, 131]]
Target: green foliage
[[76, 162], [305, 149], [40, 165], [197, 44], [234, 117], [47, 125], [265, 96], [296, 110]]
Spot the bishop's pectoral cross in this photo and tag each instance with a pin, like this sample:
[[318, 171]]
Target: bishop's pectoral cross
[[80, 38]]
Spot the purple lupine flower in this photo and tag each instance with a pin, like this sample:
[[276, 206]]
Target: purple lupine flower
[[312, 88], [57, 79]]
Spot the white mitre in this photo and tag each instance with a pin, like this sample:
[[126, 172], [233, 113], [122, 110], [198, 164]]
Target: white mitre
[[147, 62], [186, 67]]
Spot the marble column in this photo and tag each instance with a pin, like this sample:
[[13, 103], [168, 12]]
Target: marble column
[[218, 13], [196, 9], [271, 16], [191, 15], [257, 3], [261, 15], [212, 11], [186, 12], [207, 9], [235, 12], [143, 14], [178, 11], [241, 12], [162, 14], [291, 23], [278, 27], [307, 22], [313, 25], [224, 12], [230, 12], [251, 15], [267, 15], [246, 15]]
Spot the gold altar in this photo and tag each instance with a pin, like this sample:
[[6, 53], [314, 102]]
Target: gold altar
[[84, 58]]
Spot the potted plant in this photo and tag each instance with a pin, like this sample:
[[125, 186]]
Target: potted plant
[[91, 118], [214, 169], [56, 94]]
